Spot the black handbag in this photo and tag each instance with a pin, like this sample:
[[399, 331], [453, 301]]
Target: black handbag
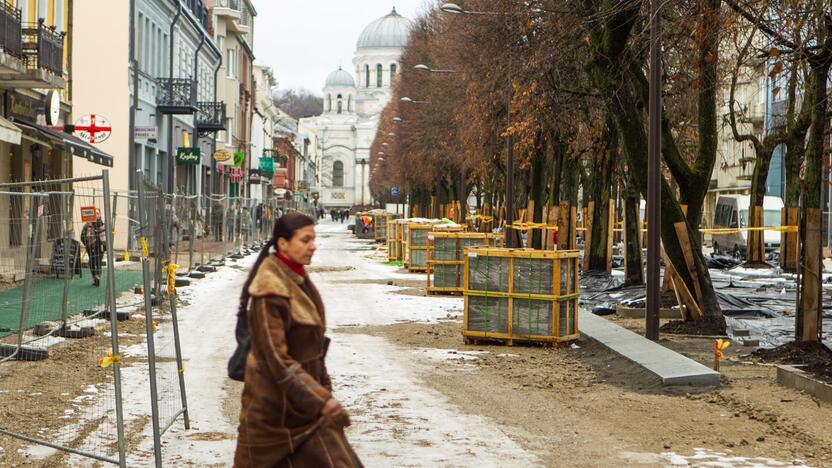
[[237, 363]]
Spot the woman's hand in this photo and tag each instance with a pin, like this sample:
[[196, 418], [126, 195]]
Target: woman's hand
[[335, 414]]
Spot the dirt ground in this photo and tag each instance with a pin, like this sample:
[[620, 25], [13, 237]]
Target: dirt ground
[[586, 405]]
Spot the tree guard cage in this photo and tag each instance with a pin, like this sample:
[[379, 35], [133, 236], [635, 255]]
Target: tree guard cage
[[446, 258], [521, 295], [417, 243]]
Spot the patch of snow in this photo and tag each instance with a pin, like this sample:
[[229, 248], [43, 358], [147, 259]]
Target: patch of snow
[[449, 354], [135, 350], [705, 458]]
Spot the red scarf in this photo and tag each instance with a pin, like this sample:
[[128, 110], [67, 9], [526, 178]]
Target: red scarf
[[296, 267]]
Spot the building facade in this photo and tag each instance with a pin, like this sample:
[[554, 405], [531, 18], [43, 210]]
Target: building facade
[[234, 36], [341, 136], [262, 134]]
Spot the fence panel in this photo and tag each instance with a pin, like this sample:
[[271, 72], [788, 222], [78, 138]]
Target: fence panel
[[60, 368]]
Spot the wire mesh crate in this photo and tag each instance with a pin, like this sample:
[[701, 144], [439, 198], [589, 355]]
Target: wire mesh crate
[[446, 258], [521, 295], [417, 243]]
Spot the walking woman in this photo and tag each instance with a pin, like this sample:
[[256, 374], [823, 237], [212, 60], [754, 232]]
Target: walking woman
[[289, 417]]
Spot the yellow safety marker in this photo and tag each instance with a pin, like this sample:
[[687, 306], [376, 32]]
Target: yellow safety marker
[[143, 242], [126, 255], [720, 346], [170, 269], [109, 360]]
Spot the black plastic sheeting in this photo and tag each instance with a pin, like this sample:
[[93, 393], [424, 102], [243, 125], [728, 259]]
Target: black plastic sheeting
[[759, 301]]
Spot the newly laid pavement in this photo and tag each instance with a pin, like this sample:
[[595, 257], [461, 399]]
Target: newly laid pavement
[[671, 367]]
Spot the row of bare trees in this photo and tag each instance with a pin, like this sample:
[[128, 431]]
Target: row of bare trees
[[566, 81]]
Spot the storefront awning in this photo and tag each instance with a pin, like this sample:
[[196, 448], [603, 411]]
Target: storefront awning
[[9, 132], [72, 144]]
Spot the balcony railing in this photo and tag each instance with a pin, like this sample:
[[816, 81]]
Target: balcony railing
[[210, 116], [11, 30], [43, 47], [231, 4], [176, 96]]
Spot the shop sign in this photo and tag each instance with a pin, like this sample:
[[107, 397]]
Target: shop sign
[[149, 133], [93, 128], [222, 155], [22, 107], [189, 156], [254, 176], [88, 214], [267, 166], [53, 107], [239, 158]]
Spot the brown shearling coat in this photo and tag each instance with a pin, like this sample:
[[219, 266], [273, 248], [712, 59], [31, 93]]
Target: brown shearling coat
[[286, 382]]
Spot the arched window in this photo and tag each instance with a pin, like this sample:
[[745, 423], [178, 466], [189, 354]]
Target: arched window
[[339, 104], [378, 76], [329, 103], [349, 103], [392, 72], [366, 76], [338, 174]]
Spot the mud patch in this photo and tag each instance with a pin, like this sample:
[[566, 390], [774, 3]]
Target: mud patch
[[333, 269]]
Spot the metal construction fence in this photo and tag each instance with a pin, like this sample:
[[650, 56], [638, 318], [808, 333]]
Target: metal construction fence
[[50, 308]]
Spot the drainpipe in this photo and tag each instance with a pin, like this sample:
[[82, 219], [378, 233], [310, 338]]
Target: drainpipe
[[171, 157], [196, 132], [214, 178]]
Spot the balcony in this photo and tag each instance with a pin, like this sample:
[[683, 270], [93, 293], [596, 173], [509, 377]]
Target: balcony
[[229, 8], [176, 96], [210, 117], [32, 53]]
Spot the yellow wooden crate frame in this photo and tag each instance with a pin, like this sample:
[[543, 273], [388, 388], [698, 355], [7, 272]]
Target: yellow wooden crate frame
[[393, 241], [488, 240], [412, 246], [556, 256]]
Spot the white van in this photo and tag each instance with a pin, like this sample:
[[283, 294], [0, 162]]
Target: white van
[[732, 212]]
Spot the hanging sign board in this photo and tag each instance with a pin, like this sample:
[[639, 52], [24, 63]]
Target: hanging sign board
[[88, 214], [267, 166], [188, 156], [53, 107], [93, 128], [254, 176], [394, 191], [222, 156], [239, 158]]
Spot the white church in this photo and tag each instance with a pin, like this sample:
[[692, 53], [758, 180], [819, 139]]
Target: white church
[[340, 138]]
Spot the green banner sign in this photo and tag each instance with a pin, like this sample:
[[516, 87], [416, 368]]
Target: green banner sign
[[188, 156], [267, 166], [239, 158]]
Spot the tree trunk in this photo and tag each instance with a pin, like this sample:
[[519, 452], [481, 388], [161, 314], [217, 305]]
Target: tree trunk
[[808, 324], [536, 193], [619, 77], [601, 177], [633, 263]]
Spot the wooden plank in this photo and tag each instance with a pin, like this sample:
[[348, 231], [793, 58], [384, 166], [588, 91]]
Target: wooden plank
[[682, 291], [588, 220], [687, 252], [810, 300]]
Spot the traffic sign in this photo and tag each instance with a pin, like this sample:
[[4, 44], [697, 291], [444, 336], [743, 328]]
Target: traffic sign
[[394, 191], [93, 128]]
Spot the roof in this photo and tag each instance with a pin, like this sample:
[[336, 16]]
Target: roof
[[340, 78], [390, 31]]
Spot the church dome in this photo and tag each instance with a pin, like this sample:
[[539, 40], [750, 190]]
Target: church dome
[[388, 31], [340, 78]]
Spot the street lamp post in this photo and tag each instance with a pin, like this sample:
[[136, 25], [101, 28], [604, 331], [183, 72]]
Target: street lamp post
[[362, 162], [654, 176]]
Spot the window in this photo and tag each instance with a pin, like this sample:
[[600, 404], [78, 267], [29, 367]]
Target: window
[[329, 103], [338, 174], [366, 76], [229, 63], [140, 37], [378, 76], [349, 103], [339, 103], [59, 15], [392, 72], [229, 131], [43, 9]]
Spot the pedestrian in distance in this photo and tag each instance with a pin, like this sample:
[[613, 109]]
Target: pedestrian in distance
[[333, 214], [289, 416], [94, 239]]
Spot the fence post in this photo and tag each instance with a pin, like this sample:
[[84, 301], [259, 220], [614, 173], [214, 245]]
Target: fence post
[[179, 366], [69, 263], [34, 221], [109, 224], [227, 233], [192, 236], [148, 313]]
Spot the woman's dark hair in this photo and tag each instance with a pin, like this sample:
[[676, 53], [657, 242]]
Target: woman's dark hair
[[285, 228]]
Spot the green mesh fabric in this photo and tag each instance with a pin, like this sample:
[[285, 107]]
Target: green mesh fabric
[[444, 249], [531, 317], [488, 274], [533, 275], [445, 276], [487, 314]]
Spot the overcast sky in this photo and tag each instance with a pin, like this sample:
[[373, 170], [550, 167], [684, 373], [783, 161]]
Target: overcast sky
[[305, 40]]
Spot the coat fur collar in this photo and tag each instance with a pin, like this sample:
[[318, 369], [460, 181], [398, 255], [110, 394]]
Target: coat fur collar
[[273, 278]]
